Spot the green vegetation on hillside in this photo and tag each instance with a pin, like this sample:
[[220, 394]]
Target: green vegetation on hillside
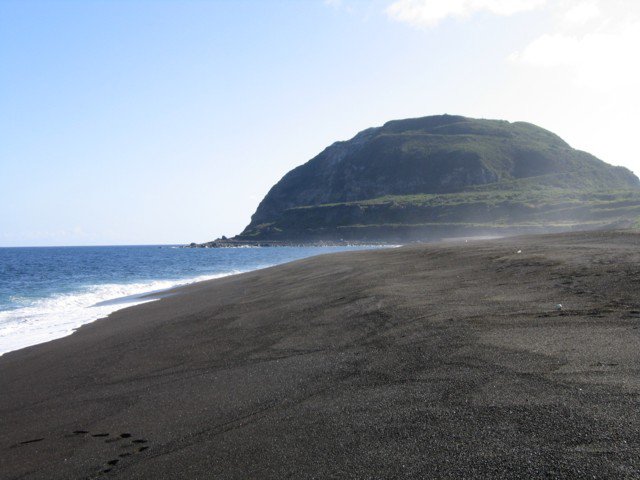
[[544, 208], [428, 177]]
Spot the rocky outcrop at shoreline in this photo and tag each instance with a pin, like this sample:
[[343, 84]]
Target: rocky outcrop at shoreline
[[233, 243]]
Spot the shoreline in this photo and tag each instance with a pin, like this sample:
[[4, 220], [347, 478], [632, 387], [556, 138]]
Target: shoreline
[[434, 360], [104, 308]]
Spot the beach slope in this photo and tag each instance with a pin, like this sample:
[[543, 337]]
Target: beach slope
[[427, 361]]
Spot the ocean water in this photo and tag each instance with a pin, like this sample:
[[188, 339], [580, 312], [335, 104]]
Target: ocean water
[[47, 292]]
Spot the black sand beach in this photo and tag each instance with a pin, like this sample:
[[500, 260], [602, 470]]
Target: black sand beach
[[429, 361]]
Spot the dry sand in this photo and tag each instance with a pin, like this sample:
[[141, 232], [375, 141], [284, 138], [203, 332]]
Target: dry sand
[[429, 361]]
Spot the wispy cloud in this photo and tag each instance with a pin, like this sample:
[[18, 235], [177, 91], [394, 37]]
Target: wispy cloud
[[576, 13], [341, 5], [429, 13], [595, 41]]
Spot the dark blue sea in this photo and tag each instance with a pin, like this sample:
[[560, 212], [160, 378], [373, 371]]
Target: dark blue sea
[[47, 292]]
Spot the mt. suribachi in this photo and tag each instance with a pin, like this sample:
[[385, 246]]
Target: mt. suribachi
[[438, 176]]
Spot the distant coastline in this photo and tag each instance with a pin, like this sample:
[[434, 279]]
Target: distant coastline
[[233, 243]]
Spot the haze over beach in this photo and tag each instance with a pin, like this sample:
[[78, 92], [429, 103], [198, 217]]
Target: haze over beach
[[319, 239]]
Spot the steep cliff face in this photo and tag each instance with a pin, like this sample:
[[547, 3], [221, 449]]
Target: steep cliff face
[[397, 166]]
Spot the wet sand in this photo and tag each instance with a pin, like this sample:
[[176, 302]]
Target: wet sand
[[427, 361]]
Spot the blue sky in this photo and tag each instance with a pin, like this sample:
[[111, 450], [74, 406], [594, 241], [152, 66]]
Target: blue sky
[[128, 122]]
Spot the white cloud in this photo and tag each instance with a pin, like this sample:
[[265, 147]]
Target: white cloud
[[596, 43], [580, 77], [578, 74], [581, 12], [429, 13]]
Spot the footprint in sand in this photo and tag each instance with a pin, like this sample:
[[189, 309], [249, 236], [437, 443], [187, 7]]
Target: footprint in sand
[[131, 447]]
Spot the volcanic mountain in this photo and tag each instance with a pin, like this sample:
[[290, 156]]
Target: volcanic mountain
[[432, 177]]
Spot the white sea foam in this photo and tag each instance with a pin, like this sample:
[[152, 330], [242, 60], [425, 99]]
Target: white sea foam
[[58, 316]]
